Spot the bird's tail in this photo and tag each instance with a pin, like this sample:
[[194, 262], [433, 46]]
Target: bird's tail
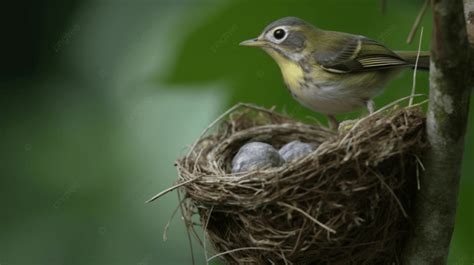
[[410, 56]]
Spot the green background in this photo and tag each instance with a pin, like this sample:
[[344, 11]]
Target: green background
[[98, 98]]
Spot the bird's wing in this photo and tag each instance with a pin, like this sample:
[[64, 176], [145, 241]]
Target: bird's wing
[[357, 54]]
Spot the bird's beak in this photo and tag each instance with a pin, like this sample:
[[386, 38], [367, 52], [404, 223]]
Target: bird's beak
[[253, 43]]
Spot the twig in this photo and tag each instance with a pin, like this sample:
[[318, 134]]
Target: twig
[[413, 88], [309, 216], [205, 231], [392, 193], [165, 230], [418, 104], [222, 116], [419, 164], [283, 257], [171, 189], [417, 22], [375, 113], [238, 249], [186, 223]]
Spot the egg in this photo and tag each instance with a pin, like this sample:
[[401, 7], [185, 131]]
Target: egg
[[256, 155], [295, 150]]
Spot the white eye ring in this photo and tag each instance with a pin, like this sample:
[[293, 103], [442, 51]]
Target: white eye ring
[[277, 35]]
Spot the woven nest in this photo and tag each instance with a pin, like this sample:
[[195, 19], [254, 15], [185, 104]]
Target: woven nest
[[348, 202]]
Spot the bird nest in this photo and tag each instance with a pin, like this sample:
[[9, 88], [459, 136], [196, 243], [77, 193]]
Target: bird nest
[[348, 202]]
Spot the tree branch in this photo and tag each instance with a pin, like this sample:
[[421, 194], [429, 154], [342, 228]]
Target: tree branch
[[417, 22], [450, 81]]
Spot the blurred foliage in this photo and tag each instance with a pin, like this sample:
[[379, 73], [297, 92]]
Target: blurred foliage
[[98, 98]]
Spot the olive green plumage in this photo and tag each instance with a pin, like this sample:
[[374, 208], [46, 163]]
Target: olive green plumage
[[332, 72]]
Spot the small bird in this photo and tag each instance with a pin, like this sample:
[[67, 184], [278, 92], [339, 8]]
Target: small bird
[[332, 72]]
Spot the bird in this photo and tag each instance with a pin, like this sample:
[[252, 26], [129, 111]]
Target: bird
[[332, 72]]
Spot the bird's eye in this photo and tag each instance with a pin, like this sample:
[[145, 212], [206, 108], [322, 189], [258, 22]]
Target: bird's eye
[[279, 34]]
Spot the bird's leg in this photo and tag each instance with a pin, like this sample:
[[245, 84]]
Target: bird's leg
[[370, 106], [333, 123]]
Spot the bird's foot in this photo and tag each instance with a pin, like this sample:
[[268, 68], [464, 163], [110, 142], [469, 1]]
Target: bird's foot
[[333, 123], [370, 106], [346, 125]]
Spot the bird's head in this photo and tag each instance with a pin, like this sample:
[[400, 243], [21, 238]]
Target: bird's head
[[285, 38]]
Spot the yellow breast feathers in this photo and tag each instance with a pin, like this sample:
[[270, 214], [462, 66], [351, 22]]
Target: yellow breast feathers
[[291, 71]]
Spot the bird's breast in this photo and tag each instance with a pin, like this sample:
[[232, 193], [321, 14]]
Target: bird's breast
[[292, 74], [310, 89], [321, 92]]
